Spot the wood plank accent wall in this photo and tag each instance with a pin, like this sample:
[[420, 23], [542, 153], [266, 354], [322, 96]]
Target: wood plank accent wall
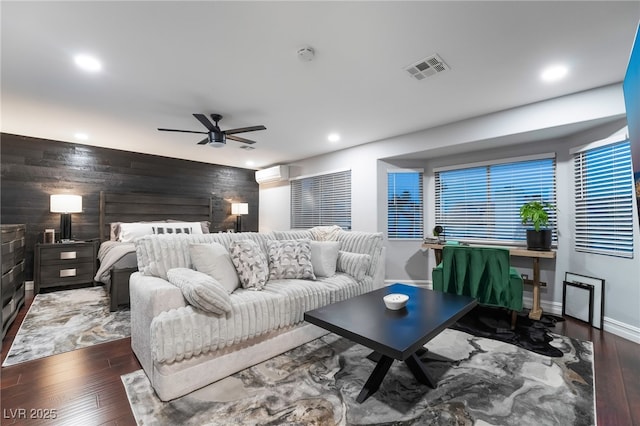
[[33, 169]]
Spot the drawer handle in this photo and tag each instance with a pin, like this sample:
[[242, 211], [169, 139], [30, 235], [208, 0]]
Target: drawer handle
[[68, 255], [67, 273]]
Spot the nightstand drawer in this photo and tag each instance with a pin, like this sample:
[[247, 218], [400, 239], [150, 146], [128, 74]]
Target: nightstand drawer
[[66, 274], [67, 253]]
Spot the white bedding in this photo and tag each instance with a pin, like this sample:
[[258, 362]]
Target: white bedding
[[112, 253]]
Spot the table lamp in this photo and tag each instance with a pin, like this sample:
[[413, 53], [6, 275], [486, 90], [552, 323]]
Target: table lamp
[[65, 204], [239, 209]]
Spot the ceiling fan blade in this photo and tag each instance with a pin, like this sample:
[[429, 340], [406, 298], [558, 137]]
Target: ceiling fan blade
[[205, 121], [244, 129], [181, 131], [239, 139], [204, 141]]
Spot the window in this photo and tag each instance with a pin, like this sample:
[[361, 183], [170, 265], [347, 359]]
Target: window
[[481, 203], [404, 204], [604, 200], [321, 200]]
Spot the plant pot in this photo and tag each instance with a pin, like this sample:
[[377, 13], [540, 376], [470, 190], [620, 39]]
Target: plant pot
[[539, 240]]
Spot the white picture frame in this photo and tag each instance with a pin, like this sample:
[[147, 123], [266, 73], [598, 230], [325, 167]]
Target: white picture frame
[[576, 294]]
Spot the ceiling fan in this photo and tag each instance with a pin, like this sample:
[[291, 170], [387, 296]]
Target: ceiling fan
[[215, 137]]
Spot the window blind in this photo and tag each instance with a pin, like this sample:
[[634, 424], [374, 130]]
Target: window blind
[[321, 200], [482, 204], [604, 200], [405, 204]]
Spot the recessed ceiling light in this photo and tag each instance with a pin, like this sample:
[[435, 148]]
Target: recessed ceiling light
[[88, 63], [333, 137], [250, 163], [81, 136], [554, 73]]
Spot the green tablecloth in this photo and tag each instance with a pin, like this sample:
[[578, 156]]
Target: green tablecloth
[[483, 273]]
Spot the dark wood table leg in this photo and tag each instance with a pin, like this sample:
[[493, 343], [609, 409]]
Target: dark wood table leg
[[419, 371], [374, 380]]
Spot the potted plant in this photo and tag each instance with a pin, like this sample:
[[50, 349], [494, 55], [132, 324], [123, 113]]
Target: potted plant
[[536, 213], [437, 231]]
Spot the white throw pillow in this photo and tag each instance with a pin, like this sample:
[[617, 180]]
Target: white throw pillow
[[354, 264], [250, 262], [200, 290], [324, 257], [214, 260], [131, 231], [290, 259]]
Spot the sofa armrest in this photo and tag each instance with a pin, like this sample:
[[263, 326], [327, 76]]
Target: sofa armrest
[[149, 296]]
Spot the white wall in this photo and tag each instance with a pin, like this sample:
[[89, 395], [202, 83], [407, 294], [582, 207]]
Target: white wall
[[520, 131]]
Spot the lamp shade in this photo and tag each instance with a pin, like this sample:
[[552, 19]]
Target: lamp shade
[[66, 203], [239, 208]]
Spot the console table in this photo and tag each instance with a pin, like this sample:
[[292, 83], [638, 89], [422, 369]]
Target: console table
[[536, 255]]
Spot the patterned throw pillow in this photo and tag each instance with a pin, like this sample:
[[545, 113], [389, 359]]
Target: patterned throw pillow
[[354, 264], [290, 259], [201, 290], [250, 262], [169, 229]]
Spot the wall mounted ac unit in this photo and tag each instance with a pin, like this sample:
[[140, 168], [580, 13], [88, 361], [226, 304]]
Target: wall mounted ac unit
[[272, 174]]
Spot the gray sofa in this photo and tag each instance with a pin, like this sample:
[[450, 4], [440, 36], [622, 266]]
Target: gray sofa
[[182, 348]]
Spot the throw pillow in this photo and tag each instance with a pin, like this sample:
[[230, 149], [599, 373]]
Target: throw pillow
[[200, 290], [250, 263], [289, 259], [214, 260], [131, 231], [324, 257], [354, 264], [171, 229]]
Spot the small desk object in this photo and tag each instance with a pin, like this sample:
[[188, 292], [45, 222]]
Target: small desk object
[[536, 255]]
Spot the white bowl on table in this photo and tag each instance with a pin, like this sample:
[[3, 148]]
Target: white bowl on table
[[395, 301]]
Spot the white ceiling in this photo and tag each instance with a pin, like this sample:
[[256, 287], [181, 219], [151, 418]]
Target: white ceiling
[[163, 61]]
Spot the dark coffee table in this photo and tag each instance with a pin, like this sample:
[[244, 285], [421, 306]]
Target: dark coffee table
[[391, 334]]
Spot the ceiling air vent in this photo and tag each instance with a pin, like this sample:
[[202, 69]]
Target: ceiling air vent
[[427, 67]]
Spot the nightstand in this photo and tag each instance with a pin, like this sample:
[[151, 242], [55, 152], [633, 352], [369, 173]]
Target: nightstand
[[65, 264]]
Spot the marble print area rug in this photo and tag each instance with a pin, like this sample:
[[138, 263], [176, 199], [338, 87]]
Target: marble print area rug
[[480, 382], [66, 320]]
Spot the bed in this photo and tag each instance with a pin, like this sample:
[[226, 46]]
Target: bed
[[117, 259]]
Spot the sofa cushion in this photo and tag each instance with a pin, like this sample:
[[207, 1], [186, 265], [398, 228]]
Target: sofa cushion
[[290, 259], [354, 264], [250, 263], [214, 260], [201, 290], [324, 257]]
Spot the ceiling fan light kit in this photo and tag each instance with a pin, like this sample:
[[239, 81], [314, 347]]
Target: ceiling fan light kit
[[216, 137]]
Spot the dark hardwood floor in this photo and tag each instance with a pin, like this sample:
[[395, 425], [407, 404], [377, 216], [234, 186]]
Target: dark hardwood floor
[[83, 387]]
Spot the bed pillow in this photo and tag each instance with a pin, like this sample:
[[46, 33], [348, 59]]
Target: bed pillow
[[354, 264], [214, 260], [324, 257], [201, 290], [250, 263], [290, 259], [131, 231], [204, 225], [178, 228]]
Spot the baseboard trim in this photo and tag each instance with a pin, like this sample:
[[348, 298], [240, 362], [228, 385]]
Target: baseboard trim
[[621, 329], [611, 325], [28, 285]]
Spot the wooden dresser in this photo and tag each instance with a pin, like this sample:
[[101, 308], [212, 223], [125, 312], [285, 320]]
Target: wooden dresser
[[12, 289], [64, 264]]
